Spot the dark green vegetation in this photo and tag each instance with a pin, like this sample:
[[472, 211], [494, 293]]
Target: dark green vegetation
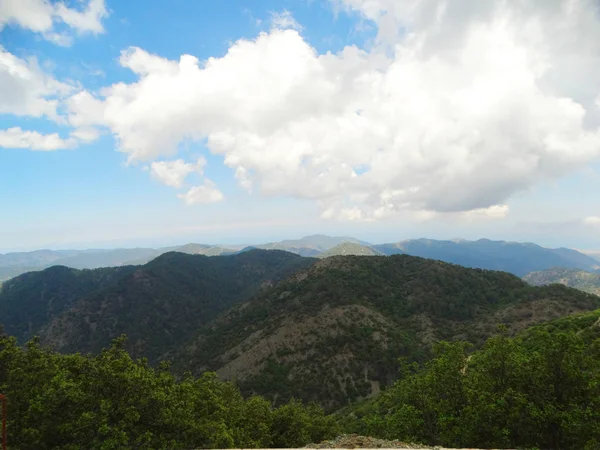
[[284, 327], [539, 390], [578, 279], [31, 300], [110, 401], [333, 332], [158, 305]]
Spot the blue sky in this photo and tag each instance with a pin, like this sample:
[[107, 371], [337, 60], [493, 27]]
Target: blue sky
[[371, 118]]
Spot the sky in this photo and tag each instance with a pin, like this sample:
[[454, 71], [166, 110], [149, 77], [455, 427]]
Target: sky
[[147, 123]]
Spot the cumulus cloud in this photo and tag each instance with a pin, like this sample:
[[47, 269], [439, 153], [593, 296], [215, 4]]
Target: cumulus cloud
[[17, 138], [42, 16], [174, 173], [463, 105], [205, 193], [26, 90]]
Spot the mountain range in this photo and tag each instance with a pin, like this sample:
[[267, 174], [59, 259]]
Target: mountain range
[[517, 258], [277, 323]]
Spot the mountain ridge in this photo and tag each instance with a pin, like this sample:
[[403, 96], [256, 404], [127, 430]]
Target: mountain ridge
[[334, 331], [514, 257]]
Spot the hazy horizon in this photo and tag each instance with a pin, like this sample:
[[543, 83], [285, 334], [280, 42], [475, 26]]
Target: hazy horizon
[[243, 243]]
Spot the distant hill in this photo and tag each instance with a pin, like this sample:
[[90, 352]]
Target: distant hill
[[13, 264], [93, 259], [595, 254], [333, 332], [514, 257], [350, 248], [36, 258], [158, 305], [310, 245], [578, 279], [202, 249]]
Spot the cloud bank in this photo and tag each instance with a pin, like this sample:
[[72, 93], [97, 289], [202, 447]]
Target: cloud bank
[[455, 109]]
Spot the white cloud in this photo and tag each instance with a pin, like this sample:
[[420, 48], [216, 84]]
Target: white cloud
[[86, 134], [205, 193], [284, 20], [472, 103], [42, 16], [492, 212], [17, 138], [35, 15], [88, 20], [26, 90], [592, 221], [174, 173]]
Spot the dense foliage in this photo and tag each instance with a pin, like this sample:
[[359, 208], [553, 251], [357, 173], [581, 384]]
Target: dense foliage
[[540, 390], [368, 311], [157, 305], [111, 401], [29, 301]]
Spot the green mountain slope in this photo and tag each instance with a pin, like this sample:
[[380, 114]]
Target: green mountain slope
[[161, 304], [334, 331], [537, 390], [578, 279], [29, 301]]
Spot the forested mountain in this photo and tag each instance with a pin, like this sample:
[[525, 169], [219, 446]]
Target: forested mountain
[[514, 257], [334, 331], [578, 279], [280, 325], [31, 300], [160, 304]]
